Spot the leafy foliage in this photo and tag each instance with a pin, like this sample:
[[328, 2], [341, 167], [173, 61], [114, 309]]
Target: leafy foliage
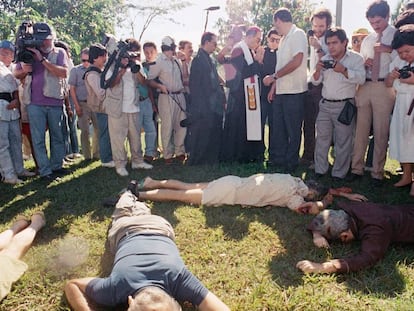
[[77, 22], [260, 13]]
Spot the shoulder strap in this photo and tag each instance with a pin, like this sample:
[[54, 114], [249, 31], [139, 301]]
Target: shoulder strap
[[91, 68]]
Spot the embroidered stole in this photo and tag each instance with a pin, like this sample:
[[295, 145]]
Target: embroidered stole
[[252, 99]]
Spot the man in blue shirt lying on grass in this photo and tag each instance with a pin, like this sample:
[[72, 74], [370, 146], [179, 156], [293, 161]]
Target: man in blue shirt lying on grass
[[148, 272]]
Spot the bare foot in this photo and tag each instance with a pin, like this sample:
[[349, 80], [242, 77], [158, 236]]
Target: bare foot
[[38, 220], [147, 183], [403, 183]]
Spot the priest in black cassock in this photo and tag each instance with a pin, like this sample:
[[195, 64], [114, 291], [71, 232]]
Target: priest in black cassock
[[205, 113]]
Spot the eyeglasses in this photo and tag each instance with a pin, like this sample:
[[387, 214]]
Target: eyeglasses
[[85, 60], [273, 40]]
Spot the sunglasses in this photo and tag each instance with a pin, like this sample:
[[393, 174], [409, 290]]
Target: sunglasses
[[85, 60]]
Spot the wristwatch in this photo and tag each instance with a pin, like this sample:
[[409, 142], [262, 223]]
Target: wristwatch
[[275, 77]]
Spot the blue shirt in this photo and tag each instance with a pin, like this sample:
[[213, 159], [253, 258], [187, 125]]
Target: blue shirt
[[146, 260]]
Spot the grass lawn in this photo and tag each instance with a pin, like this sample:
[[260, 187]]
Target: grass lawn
[[245, 255]]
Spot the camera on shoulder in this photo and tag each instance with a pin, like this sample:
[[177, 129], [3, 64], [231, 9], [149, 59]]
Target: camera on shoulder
[[30, 35], [117, 50]]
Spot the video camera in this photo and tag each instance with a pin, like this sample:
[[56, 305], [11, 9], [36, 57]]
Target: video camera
[[405, 72], [30, 35], [117, 50]]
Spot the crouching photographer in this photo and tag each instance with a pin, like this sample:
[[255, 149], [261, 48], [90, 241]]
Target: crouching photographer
[[122, 104], [43, 67]]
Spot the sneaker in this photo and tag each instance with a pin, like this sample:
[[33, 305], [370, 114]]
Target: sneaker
[[109, 164], [12, 181], [27, 173], [142, 165], [121, 171]]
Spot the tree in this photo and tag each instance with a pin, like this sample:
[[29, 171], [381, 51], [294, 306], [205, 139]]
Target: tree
[[260, 13], [77, 22], [150, 12]]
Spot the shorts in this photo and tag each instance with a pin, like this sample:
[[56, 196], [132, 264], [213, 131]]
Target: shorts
[[221, 191], [11, 270]]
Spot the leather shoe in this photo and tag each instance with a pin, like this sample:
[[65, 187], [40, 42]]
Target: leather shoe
[[353, 177], [377, 182]]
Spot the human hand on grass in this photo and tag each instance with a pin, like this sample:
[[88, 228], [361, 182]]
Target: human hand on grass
[[355, 197], [308, 208], [308, 266]]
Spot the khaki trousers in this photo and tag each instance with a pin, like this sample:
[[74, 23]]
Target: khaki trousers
[[375, 103], [83, 122], [172, 134], [121, 128]]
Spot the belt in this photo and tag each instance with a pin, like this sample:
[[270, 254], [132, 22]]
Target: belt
[[142, 98], [6, 96], [178, 92], [336, 100], [379, 80]]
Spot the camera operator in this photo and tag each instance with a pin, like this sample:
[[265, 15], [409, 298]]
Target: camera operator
[[123, 109], [402, 122], [340, 71], [44, 94]]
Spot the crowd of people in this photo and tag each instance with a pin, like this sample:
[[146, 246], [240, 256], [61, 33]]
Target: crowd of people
[[316, 85]]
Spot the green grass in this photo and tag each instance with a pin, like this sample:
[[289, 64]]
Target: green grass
[[246, 256]]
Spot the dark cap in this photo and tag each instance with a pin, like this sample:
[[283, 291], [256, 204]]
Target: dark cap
[[43, 31]]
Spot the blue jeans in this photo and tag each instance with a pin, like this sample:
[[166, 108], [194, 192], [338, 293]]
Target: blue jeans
[[11, 159], [105, 151], [40, 117], [70, 135], [146, 122]]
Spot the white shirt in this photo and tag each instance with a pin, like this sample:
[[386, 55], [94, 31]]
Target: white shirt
[[314, 57], [130, 93], [367, 50], [258, 190], [335, 85], [293, 43], [8, 84]]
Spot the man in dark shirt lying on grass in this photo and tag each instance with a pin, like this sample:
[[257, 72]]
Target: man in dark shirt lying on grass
[[148, 272], [375, 225]]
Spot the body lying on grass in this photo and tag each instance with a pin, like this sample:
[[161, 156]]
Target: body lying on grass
[[257, 190], [148, 272], [375, 225]]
